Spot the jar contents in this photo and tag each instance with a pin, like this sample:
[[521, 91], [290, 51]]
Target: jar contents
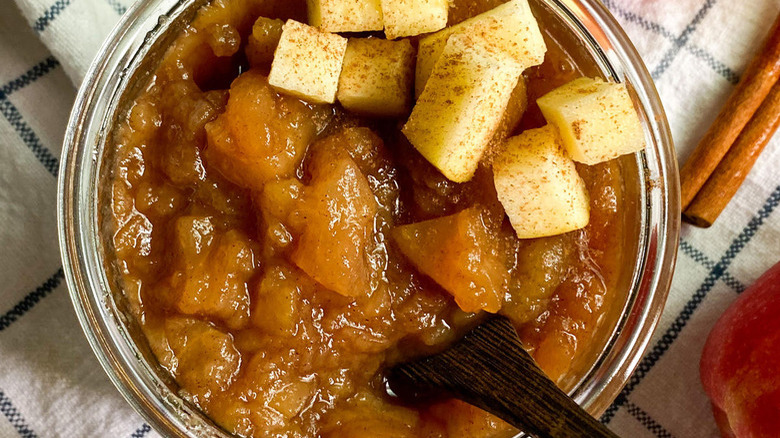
[[288, 225]]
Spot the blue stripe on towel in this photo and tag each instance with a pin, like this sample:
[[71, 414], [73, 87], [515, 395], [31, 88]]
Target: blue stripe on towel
[[31, 299], [28, 136], [141, 431], [651, 26], [15, 417], [717, 66], [117, 7], [682, 40], [716, 273], [705, 261], [632, 17], [30, 76], [14, 116], [647, 421], [44, 20]]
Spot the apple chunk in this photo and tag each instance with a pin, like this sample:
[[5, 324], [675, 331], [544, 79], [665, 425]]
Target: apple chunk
[[377, 76], [308, 63], [335, 218], [463, 104], [345, 15], [537, 183], [253, 141], [510, 27], [262, 42], [596, 119], [413, 17], [456, 252]]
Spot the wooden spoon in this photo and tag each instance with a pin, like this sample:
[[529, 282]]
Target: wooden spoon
[[490, 369]]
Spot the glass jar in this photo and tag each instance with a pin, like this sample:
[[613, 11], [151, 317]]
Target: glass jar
[[123, 66]]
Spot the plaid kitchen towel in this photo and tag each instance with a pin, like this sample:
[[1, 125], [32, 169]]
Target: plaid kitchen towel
[[52, 386]]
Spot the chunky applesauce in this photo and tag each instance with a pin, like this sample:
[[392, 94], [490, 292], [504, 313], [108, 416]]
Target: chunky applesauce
[[274, 251]]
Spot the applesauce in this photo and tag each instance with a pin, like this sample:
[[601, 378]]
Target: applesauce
[[258, 241]]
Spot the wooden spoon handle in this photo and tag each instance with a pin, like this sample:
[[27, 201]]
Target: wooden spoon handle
[[490, 369]]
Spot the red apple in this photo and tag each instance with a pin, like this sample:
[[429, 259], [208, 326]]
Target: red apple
[[740, 365]]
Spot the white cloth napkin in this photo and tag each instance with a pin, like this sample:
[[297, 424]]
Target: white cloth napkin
[[50, 383]]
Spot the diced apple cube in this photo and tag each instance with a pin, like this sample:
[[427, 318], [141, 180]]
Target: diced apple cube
[[345, 15], [597, 119], [263, 40], [458, 113], [539, 186], [515, 109], [377, 77], [308, 62], [457, 252], [413, 17], [510, 27]]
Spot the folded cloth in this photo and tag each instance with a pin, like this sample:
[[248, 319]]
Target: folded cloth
[[52, 385]]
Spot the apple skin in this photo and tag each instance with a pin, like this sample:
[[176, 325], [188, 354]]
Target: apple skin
[[740, 365]]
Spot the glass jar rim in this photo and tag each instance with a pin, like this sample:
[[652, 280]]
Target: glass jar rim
[[83, 263]]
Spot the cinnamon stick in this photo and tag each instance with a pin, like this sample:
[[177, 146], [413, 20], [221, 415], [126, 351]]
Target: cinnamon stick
[[762, 73], [735, 166]]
